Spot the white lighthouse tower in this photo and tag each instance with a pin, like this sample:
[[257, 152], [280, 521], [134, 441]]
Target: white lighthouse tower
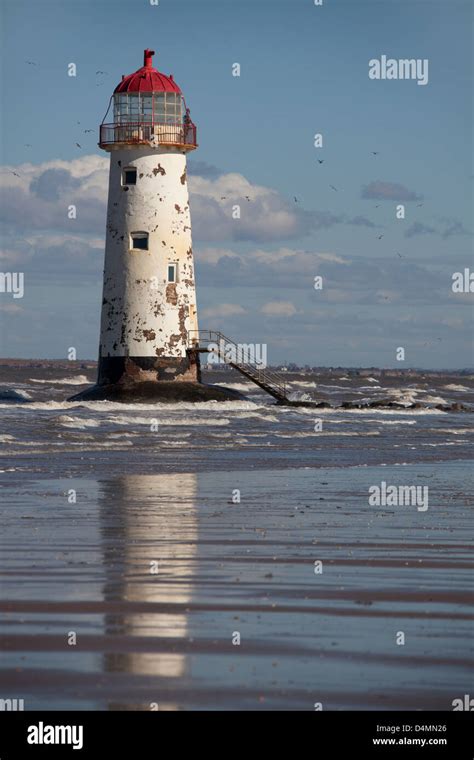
[[148, 335]]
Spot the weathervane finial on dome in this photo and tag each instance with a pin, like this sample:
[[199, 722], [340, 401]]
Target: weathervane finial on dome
[[148, 58]]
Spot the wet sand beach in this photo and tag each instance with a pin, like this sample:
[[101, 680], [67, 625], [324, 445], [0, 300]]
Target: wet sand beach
[[180, 594]]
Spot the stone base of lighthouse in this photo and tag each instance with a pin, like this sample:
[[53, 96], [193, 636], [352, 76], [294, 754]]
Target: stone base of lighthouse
[[162, 392], [115, 370], [140, 379]]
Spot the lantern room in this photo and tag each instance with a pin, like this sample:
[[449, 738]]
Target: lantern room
[[148, 108]]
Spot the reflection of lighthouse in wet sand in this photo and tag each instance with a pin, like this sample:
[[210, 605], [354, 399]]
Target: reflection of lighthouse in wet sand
[[151, 560], [148, 338]]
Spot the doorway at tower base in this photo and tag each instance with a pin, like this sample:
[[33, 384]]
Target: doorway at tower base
[[164, 391]]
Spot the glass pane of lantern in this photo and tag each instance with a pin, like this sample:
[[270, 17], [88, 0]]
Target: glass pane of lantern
[[133, 107], [146, 103], [171, 108], [159, 107], [123, 108], [120, 107]]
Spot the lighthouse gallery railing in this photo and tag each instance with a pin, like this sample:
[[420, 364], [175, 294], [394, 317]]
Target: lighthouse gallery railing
[[148, 132]]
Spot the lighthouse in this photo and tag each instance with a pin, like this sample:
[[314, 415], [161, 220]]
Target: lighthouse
[[149, 340]]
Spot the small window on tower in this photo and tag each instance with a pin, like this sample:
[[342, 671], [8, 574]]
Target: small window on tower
[[129, 176], [139, 241], [172, 272]]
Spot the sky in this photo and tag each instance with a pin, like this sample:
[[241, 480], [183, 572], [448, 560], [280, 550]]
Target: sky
[[304, 70]]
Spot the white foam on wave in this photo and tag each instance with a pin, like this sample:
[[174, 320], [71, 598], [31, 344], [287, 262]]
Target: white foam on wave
[[65, 446], [185, 406], [78, 380], [118, 436], [393, 422], [321, 412], [122, 419], [267, 417], [434, 400], [333, 387], [326, 433], [113, 406], [298, 396], [455, 431], [242, 387], [79, 423], [409, 396], [454, 387], [444, 443], [405, 396]]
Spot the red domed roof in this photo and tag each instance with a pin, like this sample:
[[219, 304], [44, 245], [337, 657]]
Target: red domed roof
[[147, 79]]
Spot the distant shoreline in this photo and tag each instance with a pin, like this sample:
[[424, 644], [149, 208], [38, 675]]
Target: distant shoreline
[[292, 368]]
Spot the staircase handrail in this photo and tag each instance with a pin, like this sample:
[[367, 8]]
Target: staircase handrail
[[263, 373]]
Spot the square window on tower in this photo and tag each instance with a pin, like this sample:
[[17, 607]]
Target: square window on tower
[[139, 241], [172, 272], [129, 176]]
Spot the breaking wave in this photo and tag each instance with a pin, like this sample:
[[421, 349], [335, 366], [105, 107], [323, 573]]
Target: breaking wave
[[76, 422], [78, 380], [122, 419]]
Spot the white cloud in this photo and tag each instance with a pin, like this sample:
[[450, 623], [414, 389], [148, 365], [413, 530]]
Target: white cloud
[[224, 310], [37, 196], [264, 213], [214, 255], [10, 308], [278, 309]]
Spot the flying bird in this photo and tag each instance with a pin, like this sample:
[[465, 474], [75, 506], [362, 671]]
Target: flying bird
[[296, 199], [399, 255], [27, 145], [88, 130], [380, 237], [334, 188], [246, 198], [78, 146], [14, 173], [419, 205], [101, 72], [320, 160], [31, 63], [378, 206], [375, 152], [223, 197]]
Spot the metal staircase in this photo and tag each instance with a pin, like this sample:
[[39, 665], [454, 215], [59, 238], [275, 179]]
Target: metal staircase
[[269, 381]]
